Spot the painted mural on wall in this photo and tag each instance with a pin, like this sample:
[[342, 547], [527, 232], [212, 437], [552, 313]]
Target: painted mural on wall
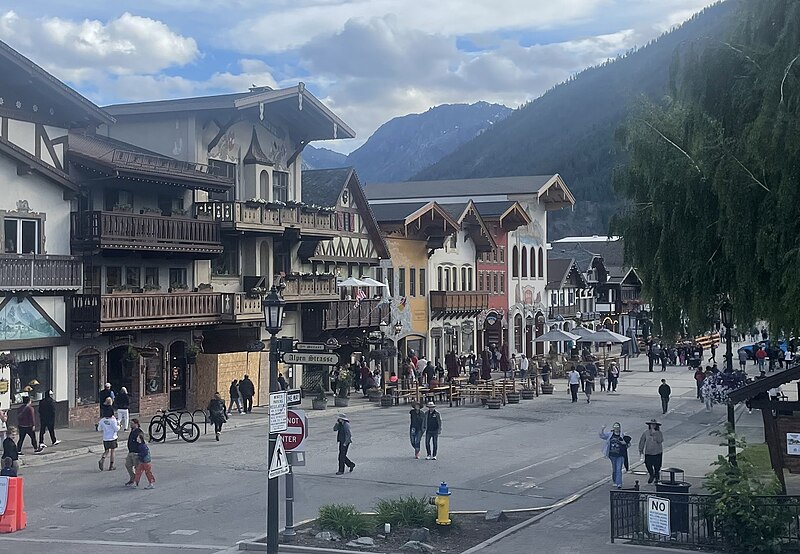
[[20, 320], [532, 234]]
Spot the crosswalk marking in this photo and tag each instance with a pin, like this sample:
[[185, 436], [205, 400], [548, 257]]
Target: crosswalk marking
[[117, 530], [185, 532]]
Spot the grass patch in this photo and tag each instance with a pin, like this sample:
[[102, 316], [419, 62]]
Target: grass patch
[[758, 455], [345, 520], [409, 511]]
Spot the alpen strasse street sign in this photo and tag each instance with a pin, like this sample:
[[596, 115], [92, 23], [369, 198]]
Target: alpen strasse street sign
[[310, 358]]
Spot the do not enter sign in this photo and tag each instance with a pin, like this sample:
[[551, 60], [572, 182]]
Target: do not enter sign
[[296, 431]]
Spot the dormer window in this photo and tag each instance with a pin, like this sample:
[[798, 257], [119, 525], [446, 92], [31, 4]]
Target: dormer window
[[346, 198]]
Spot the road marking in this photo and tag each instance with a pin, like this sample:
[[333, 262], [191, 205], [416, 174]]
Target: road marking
[[185, 532], [552, 459], [117, 530], [118, 543], [142, 517], [53, 527], [124, 516]]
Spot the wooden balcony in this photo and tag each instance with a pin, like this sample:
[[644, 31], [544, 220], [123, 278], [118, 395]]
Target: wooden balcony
[[569, 312], [464, 303], [124, 312], [144, 232], [344, 314], [238, 307], [269, 218], [31, 272], [311, 288]]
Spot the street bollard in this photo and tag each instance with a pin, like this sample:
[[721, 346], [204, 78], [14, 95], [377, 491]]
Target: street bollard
[[289, 532]]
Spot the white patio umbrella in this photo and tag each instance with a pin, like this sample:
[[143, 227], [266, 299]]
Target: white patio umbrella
[[556, 335], [584, 334], [605, 336], [373, 283], [352, 282]]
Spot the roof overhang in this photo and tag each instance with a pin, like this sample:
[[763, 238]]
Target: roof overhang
[[431, 220], [29, 164], [555, 194], [514, 217], [471, 221]]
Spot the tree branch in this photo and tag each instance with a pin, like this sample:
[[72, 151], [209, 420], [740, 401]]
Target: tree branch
[[748, 58], [681, 150], [753, 177], [786, 74]]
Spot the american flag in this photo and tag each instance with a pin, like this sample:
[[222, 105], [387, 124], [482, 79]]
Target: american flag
[[360, 295]]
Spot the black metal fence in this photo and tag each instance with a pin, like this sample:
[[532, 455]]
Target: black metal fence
[[691, 521]]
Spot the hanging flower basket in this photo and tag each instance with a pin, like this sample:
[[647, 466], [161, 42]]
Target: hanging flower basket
[[718, 386]]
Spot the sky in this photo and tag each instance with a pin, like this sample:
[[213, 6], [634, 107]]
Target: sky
[[368, 60]]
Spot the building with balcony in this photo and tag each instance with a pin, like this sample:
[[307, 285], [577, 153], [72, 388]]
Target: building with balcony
[[38, 275], [566, 287]]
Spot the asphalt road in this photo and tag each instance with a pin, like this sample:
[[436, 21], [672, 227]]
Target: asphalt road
[[210, 495]]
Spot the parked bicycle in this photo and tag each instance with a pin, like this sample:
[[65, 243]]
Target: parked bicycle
[[187, 430]]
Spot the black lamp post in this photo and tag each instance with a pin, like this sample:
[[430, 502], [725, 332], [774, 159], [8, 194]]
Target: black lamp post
[[726, 313], [273, 305]]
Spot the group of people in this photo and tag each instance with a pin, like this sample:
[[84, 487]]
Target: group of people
[[651, 450], [675, 354], [13, 438], [241, 393], [583, 375]]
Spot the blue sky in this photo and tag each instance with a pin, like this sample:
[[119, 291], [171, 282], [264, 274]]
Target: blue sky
[[369, 60]]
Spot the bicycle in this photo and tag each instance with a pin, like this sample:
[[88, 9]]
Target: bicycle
[[188, 431]]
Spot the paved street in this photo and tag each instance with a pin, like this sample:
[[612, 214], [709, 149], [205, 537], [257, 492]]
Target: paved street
[[210, 495]]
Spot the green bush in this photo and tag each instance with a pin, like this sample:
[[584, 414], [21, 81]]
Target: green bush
[[409, 511], [345, 520]]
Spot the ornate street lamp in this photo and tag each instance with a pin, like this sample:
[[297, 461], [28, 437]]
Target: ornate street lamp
[[273, 305], [726, 314]]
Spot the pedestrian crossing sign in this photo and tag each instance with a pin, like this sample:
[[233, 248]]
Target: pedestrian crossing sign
[[280, 463]]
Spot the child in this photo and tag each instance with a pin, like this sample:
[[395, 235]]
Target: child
[[8, 468], [145, 464]]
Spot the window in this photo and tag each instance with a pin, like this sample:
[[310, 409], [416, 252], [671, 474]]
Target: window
[[469, 284], [88, 378], [227, 263], [33, 364], [480, 281], [402, 281], [554, 298], [533, 265], [453, 241], [495, 287], [502, 254], [541, 262], [263, 185], [412, 281], [92, 281], [151, 276], [118, 199], [133, 277], [348, 222], [502, 278], [168, 204], [422, 284], [464, 278], [455, 279], [21, 236], [113, 277], [439, 282], [494, 255], [515, 261], [525, 261], [280, 186], [379, 274], [390, 278], [177, 277], [571, 297]]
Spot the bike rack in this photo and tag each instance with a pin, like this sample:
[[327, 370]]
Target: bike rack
[[205, 419]]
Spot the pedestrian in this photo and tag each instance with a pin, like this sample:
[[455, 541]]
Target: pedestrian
[[451, 362], [430, 373], [417, 428], [626, 462], [132, 459], [145, 464], [10, 447], [524, 364], [699, 376], [217, 413], [664, 391], [47, 418], [105, 392], [588, 383], [760, 356], [123, 404], [663, 357], [235, 396], [651, 449], [8, 468], [742, 359], [614, 449], [433, 428], [613, 377], [107, 408], [345, 438], [788, 357], [26, 420], [574, 383], [109, 426], [282, 382], [3, 425], [247, 389], [602, 375]]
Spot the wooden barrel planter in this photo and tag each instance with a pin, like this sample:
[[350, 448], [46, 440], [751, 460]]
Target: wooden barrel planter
[[512, 397], [494, 403], [374, 396], [547, 388], [386, 401], [341, 402], [527, 394], [319, 404]]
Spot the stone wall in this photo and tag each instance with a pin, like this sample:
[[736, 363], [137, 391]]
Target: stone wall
[[149, 404], [214, 373]]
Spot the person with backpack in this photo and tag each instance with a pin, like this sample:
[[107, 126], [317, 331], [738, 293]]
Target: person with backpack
[[217, 413], [433, 428], [614, 449], [132, 459], [145, 464], [47, 418], [235, 396]]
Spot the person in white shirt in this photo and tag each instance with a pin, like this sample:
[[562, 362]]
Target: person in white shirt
[[523, 366], [109, 426], [788, 357], [574, 383], [422, 363]]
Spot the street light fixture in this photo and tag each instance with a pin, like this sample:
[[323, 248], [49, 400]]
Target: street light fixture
[[726, 314], [273, 306]]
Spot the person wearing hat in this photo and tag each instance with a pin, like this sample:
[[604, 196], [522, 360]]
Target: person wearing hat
[[433, 427], [345, 438], [614, 449], [105, 392], [652, 449]]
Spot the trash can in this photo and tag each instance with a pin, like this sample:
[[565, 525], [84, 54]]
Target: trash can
[[677, 490]]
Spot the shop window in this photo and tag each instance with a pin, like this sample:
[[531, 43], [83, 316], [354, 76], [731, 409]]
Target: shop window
[[422, 284], [280, 186], [33, 374], [412, 282], [88, 378], [154, 372]]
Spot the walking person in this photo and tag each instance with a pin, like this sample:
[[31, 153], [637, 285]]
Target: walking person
[[574, 383], [105, 393], [614, 449], [247, 390], [742, 359], [588, 382], [345, 438], [626, 462], [217, 413], [613, 377], [699, 377], [47, 418], [26, 420], [10, 447], [417, 429], [664, 391], [235, 396], [109, 426], [132, 459], [651, 449], [3, 425], [433, 428], [145, 464], [123, 404]]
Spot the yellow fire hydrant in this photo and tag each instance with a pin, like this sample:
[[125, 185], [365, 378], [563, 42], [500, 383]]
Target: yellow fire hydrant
[[442, 503]]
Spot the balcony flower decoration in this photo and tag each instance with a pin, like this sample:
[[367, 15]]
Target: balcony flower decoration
[[150, 287], [718, 386], [276, 204], [327, 209], [307, 276], [149, 210], [8, 361], [256, 292], [295, 203], [256, 202]]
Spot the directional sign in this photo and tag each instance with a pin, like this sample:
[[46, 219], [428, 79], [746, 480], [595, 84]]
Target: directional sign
[[294, 397], [277, 412], [280, 464], [296, 432], [658, 515], [311, 347], [310, 358]]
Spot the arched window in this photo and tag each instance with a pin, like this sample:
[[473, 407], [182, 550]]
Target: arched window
[[455, 279], [533, 264], [515, 261], [263, 184], [469, 286], [439, 283], [464, 278], [525, 260], [447, 279], [541, 262]]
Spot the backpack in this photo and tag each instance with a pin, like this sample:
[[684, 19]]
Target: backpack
[[616, 447]]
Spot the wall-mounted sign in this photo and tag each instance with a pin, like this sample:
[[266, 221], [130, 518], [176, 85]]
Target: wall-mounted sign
[[793, 444]]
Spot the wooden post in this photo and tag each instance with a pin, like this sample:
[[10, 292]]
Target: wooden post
[[773, 444]]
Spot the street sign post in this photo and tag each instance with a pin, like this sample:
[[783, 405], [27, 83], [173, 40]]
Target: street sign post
[[293, 397], [277, 412], [310, 358], [296, 432], [310, 347], [280, 464], [658, 515]]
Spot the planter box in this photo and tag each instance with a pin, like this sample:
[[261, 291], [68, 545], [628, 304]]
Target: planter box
[[341, 402], [319, 404], [512, 398], [493, 403], [386, 401], [527, 394], [374, 396], [547, 388]]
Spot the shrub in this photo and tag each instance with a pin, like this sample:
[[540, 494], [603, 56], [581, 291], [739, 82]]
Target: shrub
[[345, 520], [409, 511]]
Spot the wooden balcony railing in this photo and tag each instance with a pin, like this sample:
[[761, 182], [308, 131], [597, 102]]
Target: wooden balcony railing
[[151, 163], [445, 303], [309, 288], [34, 272], [122, 312], [268, 218], [570, 312], [238, 307], [344, 314]]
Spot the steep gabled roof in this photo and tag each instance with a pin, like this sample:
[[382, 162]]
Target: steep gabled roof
[[559, 271], [27, 162], [255, 155], [473, 188], [469, 218]]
